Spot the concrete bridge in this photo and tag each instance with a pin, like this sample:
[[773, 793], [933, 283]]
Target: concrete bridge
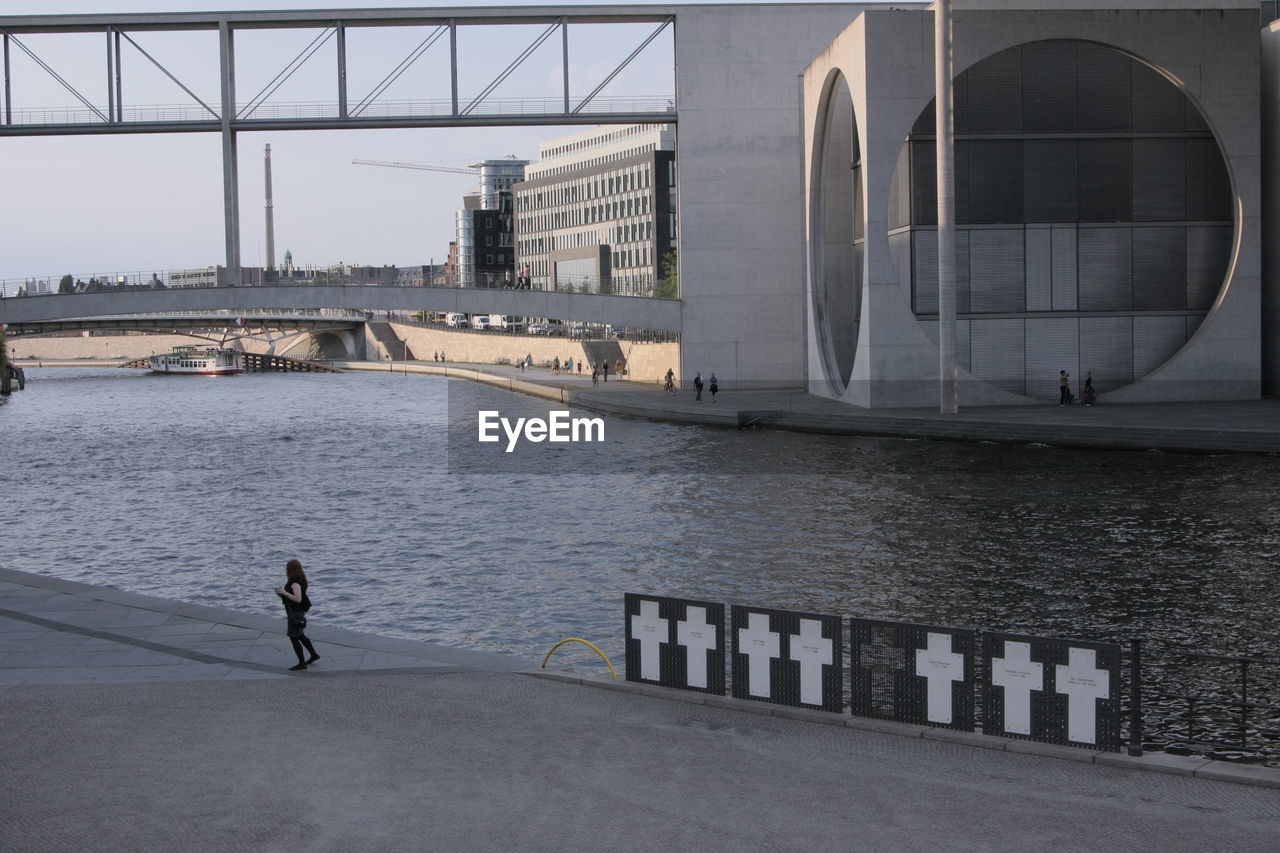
[[630, 311]]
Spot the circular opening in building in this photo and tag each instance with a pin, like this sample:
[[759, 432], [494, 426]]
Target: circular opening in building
[[837, 234], [1093, 218]]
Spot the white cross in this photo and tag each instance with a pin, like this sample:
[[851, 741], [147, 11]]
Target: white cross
[[760, 645], [1083, 684], [812, 651], [697, 635], [651, 632], [1018, 675], [941, 667]]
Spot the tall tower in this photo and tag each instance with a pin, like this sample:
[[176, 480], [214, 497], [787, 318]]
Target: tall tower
[[271, 236]]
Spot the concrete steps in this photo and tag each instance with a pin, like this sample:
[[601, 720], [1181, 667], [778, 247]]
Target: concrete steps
[[391, 342]]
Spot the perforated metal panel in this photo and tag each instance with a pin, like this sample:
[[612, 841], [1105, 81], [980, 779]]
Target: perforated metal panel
[[1106, 269], [1039, 268], [1053, 691], [912, 673], [1049, 87], [963, 301], [1104, 100], [1106, 348], [1155, 340], [1053, 345], [924, 189], [997, 266], [992, 92], [1106, 185], [1208, 184], [924, 245], [787, 658], [1159, 268], [997, 353], [671, 639], [1208, 252], [1157, 103], [1159, 181], [994, 188], [1066, 278], [1049, 180]]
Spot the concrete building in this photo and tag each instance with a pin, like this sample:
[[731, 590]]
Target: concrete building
[[597, 211], [1108, 198], [484, 228]]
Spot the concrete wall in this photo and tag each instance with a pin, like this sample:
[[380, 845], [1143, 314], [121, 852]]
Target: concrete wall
[[1271, 210], [741, 203], [886, 56], [116, 346]]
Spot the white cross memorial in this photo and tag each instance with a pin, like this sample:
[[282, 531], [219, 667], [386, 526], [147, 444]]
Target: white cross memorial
[[1018, 674], [1083, 683], [698, 636], [941, 666], [651, 632], [812, 651], [760, 645]]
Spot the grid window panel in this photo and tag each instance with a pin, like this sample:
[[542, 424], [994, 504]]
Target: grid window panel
[[1208, 184], [1106, 180], [1159, 180], [996, 348], [1049, 180], [997, 278], [963, 265], [994, 188], [900, 252], [992, 92], [924, 187], [1106, 348], [1159, 268], [1208, 253], [1066, 279], [1158, 105], [1053, 345], [1049, 87], [924, 250], [1104, 101], [1106, 269], [1155, 340], [1039, 269]]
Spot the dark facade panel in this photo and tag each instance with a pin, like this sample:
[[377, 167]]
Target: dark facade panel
[[997, 271], [1159, 180], [1049, 87], [924, 188], [1160, 268], [1053, 345], [1106, 269], [1106, 182], [1106, 348], [1208, 252], [1208, 183], [1049, 180], [1104, 100], [998, 354], [992, 95], [994, 187], [1158, 105]]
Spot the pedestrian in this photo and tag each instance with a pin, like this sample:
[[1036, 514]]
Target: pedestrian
[[1087, 394], [595, 374], [520, 361], [435, 356], [697, 386], [555, 366], [617, 371], [579, 367], [296, 604], [715, 386], [604, 369], [442, 355], [528, 359], [1064, 387]]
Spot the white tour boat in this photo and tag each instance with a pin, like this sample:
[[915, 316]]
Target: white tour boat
[[206, 361]]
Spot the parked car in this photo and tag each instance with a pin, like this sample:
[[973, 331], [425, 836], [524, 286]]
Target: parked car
[[539, 329]]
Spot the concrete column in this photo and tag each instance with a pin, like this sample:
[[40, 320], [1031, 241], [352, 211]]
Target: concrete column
[[943, 98], [230, 171]]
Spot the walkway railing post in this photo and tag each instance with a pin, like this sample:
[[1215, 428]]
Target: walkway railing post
[[1135, 696]]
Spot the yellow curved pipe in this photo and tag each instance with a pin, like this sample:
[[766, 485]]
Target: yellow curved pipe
[[585, 643]]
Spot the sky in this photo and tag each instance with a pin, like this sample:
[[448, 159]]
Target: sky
[[123, 203]]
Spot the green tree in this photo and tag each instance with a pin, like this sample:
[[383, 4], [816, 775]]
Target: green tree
[[67, 284], [668, 286]]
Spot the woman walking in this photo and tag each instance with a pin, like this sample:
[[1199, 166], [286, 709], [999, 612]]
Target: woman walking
[[296, 604]]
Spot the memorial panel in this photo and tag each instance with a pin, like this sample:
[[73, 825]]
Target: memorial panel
[[787, 658], [675, 642], [912, 673]]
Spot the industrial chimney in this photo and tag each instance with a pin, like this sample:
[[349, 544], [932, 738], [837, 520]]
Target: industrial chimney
[[271, 236]]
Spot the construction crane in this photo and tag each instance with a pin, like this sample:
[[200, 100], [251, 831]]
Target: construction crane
[[428, 167]]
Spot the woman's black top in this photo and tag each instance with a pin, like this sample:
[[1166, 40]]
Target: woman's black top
[[295, 606]]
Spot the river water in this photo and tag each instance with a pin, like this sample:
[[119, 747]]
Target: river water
[[200, 489]]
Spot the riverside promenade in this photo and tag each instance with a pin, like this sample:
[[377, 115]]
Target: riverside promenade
[[1246, 426], [129, 722]]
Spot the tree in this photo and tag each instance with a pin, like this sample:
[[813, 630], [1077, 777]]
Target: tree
[[668, 286]]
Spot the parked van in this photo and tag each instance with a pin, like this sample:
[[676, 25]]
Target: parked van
[[509, 322], [456, 321], [482, 322]]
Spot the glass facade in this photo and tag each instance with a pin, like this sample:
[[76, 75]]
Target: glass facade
[[1094, 217]]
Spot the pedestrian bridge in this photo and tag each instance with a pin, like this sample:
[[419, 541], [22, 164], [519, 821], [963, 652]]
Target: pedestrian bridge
[[628, 311]]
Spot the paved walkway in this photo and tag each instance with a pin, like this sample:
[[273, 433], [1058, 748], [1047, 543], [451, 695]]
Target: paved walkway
[[204, 742], [1248, 426]]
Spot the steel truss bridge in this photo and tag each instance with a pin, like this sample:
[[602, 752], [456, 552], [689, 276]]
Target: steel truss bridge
[[231, 115]]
